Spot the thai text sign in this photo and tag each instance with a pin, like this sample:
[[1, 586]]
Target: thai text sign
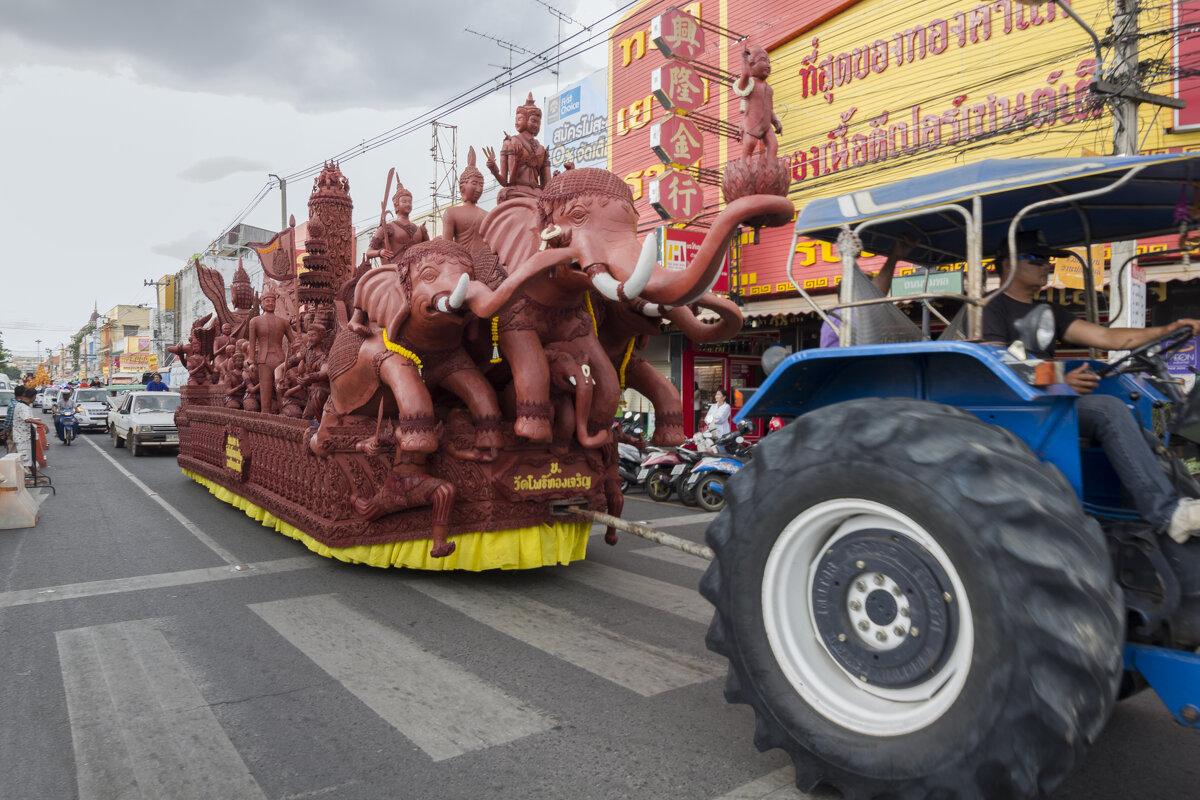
[[137, 362], [577, 123], [886, 91], [937, 282]]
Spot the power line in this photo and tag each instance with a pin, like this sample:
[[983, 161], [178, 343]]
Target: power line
[[529, 67]]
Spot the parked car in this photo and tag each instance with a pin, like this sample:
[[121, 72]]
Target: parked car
[[91, 408], [6, 396], [145, 419], [37, 399]]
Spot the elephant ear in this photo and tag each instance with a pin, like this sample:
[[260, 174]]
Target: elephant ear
[[511, 229]]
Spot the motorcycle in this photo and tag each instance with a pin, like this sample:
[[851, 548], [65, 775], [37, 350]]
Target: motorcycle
[[70, 426], [666, 471], [629, 463], [706, 479]]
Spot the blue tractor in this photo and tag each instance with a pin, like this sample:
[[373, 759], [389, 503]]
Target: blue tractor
[[926, 584]]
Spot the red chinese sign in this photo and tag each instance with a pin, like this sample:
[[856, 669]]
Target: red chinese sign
[[677, 195], [677, 86], [679, 247], [677, 141], [677, 34]]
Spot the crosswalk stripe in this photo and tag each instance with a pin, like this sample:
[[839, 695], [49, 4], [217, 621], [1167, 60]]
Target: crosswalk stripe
[[638, 666], [440, 707], [673, 556], [777, 785], [678, 600], [141, 730]]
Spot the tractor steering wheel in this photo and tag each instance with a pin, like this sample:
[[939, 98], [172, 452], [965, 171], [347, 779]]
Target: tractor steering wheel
[[1149, 357]]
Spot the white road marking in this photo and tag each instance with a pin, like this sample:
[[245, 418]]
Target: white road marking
[[673, 556], [140, 727], [777, 785], [638, 666], [439, 706], [192, 527], [137, 583], [678, 600]]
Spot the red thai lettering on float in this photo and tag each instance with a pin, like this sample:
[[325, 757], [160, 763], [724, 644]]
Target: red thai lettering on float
[[819, 77], [1060, 101]]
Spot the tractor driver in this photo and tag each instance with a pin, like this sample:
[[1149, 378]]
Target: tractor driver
[[1101, 417]]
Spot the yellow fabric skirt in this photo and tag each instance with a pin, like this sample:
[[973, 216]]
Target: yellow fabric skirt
[[542, 545]]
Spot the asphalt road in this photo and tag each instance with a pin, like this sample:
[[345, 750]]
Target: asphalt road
[[158, 643]]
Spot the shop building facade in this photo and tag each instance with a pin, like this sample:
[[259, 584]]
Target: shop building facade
[[871, 92]]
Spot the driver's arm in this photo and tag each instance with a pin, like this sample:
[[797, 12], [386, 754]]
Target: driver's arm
[[1088, 334]]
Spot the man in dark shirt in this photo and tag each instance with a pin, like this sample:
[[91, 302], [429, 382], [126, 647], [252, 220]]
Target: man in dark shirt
[[156, 384], [1101, 417]]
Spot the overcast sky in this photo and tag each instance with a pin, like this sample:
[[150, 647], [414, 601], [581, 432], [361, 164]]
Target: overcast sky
[[134, 131]]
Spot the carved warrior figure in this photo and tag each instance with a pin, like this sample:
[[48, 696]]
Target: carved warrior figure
[[269, 335], [524, 168], [394, 237], [461, 223]]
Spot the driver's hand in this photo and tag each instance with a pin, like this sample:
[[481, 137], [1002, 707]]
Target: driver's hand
[[1194, 324], [1082, 379]]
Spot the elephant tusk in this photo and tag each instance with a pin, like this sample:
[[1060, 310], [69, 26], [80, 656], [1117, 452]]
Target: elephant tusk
[[644, 269], [655, 310], [607, 285], [443, 305], [571, 380], [550, 233], [460, 292]]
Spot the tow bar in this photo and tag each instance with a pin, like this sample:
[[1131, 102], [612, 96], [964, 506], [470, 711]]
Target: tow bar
[[561, 508]]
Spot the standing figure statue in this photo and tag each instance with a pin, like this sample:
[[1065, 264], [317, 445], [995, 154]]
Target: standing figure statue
[[461, 223], [759, 123], [524, 168], [392, 238], [268, 334]]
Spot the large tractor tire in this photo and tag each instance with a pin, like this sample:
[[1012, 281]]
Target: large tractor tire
[[914, 605]]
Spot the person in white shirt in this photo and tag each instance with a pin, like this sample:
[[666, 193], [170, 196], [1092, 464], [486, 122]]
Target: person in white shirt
[[22, 430], [717, 419]]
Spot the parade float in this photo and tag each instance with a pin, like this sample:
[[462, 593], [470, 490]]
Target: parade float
[[442, 408]]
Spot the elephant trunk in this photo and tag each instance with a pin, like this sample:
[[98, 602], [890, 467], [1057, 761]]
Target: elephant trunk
[[671, 288], [485, 302], [583, 409], [728, 325]]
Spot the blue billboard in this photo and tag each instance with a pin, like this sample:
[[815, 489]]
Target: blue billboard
[[577, 123]]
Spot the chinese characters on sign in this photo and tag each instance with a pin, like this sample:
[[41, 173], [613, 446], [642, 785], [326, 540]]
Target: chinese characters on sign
[[677, 86], [677, 141], [677, 195], [677, 34]]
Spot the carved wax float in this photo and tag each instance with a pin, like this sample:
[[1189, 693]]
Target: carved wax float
[[468, 391]]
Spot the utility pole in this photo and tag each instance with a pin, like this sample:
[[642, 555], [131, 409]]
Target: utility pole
[[445, 168], [283, 217], [1127, 293]]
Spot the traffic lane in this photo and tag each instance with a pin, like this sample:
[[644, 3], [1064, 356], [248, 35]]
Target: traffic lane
[[230, 528], [1142, 753], [303, 731], [97, 526]]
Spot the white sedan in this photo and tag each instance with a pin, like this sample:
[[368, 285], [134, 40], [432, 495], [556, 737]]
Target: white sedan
[[145, 419]]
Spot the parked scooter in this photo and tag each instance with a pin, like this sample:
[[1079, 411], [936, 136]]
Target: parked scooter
[[706, 479], [629, 463], [666, 471]]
